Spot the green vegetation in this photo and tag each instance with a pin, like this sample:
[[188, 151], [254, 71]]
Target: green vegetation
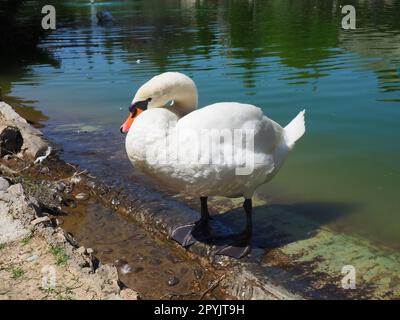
[[60, 255], [20, 32], [27, 239], [16, 272]]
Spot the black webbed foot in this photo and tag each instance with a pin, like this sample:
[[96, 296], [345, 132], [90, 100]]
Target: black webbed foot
[[187, 235], [238, 249]]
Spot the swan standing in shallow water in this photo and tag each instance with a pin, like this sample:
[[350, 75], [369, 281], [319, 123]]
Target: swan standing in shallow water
[[194, 151]]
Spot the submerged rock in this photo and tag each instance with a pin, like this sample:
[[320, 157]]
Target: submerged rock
[[172, 281], [115, 202], [104, 16]]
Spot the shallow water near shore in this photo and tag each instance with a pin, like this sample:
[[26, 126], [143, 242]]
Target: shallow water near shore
[[282, 56], [148, 265]]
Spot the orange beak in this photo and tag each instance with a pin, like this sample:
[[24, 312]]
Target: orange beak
[[127, 124]]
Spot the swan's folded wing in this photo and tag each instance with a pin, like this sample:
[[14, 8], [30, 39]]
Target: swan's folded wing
[[236, 116]]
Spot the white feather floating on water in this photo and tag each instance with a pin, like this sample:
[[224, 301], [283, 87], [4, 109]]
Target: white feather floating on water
[[42, 158], [125, 269]]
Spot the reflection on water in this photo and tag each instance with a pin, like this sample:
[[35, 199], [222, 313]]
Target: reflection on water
[[279, 55]]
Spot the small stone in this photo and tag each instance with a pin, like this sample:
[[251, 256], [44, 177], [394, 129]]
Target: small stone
[[172, 281], [39, 220], [4, 184], [59, 221], [82, 196], [81, 250], [70, 238], [89, 250], [58, 198], [44, 170], [115, 202], [32, 258], [60, 186]]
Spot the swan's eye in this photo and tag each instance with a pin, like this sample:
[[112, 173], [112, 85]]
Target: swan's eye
[[140, 104], [134, 113]]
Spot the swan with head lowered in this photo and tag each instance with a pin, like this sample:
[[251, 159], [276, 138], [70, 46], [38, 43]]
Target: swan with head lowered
[[225, 149]]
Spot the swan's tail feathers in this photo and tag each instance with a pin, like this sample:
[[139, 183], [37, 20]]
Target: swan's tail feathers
[[295, 129]]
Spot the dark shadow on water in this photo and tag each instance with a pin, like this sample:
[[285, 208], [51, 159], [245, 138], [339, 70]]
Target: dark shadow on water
[[277, 225]]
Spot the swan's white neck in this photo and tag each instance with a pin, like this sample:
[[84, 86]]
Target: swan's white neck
[[180, 109], [167, 88]]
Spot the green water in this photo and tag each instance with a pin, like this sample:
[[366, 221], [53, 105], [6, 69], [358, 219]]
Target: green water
[[280, 55]]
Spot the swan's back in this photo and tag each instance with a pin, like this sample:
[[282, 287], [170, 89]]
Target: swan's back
[[233, 116]]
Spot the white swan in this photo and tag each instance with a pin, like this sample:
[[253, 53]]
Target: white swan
[[226, 149]]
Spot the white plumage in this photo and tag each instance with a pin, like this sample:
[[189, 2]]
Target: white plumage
[[166, 143]]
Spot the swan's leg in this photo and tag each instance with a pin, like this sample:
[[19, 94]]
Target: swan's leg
[[188, 234], [242, 246]]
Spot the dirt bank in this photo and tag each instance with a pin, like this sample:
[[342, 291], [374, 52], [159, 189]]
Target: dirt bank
[[38, 261]]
